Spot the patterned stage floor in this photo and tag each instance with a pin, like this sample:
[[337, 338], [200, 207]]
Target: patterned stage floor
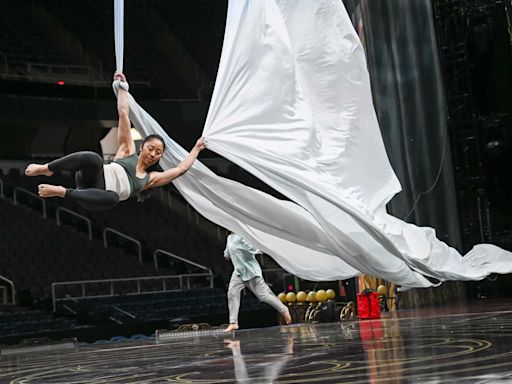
[[442, 348]]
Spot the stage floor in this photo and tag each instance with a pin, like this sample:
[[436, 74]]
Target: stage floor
[[417, 347]]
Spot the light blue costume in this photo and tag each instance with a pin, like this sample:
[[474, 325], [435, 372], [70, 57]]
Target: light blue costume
[[248, 274]]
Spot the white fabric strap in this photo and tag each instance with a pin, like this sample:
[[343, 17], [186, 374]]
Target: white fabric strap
[[119, 33]]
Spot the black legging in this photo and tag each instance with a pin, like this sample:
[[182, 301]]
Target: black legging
[[90, 190]]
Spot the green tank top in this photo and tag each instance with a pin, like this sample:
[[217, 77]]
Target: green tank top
[[129, 163]]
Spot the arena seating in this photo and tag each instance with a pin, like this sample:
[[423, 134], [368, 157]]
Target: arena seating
[[36, 253], [23, 40], [172, 305], [169, 231], [26, 322], [205, 39], [143, 61]]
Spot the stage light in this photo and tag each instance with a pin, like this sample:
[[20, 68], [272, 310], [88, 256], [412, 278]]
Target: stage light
[[60, 82]]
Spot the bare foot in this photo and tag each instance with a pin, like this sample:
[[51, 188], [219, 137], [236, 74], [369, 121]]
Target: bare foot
[[48, 190], [231, 328], [38, 169], [287, 317]]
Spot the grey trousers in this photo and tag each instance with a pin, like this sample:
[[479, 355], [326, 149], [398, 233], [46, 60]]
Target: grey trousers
[[260, 289]]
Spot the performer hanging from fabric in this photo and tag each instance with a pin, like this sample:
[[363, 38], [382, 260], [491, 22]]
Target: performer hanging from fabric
[[100, 186], [248, 274]]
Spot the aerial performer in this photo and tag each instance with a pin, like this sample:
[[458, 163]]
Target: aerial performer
[[102, 186], [247, 273]]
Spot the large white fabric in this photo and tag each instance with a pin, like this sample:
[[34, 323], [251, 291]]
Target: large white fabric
[[292, 105]]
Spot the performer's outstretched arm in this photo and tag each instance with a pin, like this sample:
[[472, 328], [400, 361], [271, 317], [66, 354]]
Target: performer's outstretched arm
[[124, 137], [157, 179]]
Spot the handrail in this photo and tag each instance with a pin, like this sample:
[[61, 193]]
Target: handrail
[[135, 241], [179, 258], [172, 255], [73, 312], [13, 289], [83, 283], [87, 220], [72, 298], [18, 189], [124, 312], [2, 189]]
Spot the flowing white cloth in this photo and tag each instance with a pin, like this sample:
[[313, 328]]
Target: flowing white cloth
[[292, 105]]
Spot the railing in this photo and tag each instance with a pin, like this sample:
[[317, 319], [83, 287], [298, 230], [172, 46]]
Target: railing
[[124, 312], [173, 256], [64, 37], [2, 189], [66, 307], [120, 234], [21, 75], [13, 290], [18, 190], [182, 280], [88, 221], [57, 70], [79, 72]]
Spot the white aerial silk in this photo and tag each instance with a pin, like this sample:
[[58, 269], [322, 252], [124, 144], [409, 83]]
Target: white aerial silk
[[292, 105]]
